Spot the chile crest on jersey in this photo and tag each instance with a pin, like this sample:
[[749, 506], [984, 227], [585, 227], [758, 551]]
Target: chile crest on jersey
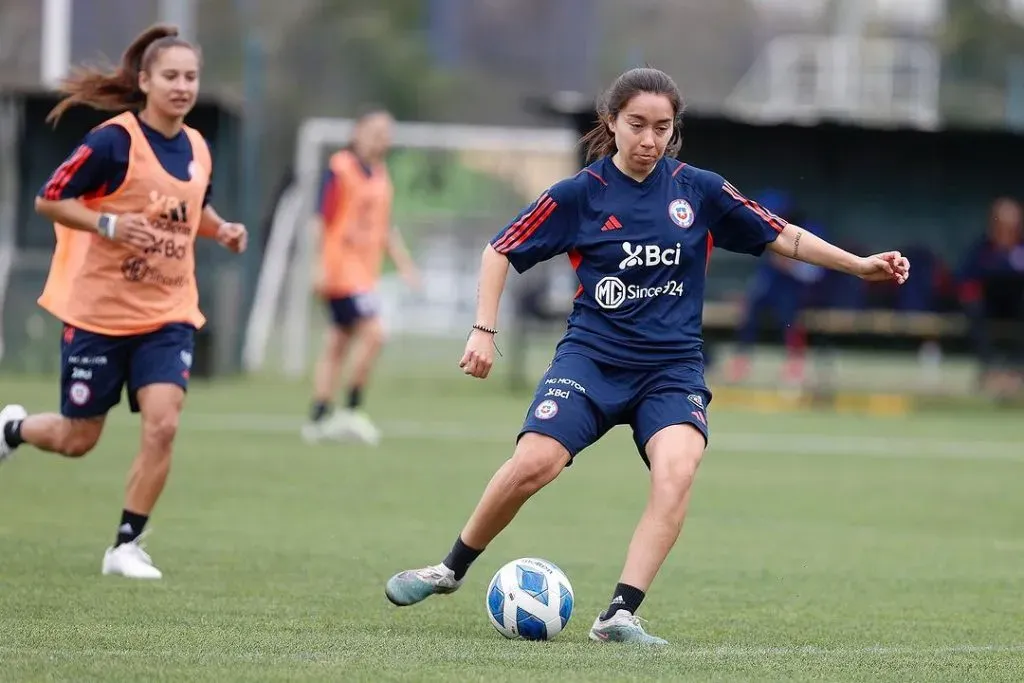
[[645, 244]]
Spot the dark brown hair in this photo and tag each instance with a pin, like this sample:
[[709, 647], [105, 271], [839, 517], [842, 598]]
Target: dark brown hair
[[600, 141], [118, 89]]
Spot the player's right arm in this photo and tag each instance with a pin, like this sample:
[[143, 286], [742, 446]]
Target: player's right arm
[[327, 202], [92, 170], [544, 229]]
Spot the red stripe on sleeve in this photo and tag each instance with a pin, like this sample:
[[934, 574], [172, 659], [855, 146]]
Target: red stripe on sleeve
[[767, 216], [537, 221], [525, 226], [330, 202], [63, 175]]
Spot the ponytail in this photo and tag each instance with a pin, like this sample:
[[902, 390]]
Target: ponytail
[[117, 90], [599, 141]]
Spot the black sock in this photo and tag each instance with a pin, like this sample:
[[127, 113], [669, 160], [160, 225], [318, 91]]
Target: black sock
[[131, 527], [319, 411], [355, 397], [12, 434], [460, 558], [625, 597]]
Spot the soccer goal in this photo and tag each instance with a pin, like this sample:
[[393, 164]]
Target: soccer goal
[[455, 185]]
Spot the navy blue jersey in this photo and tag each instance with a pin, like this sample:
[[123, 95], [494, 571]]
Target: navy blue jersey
[[640, 250], [99, 164]]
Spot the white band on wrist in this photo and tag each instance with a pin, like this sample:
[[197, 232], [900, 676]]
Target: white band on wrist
[[107, 225]]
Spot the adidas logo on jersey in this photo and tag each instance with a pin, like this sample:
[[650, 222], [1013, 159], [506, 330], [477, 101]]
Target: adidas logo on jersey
[[649, 255], [611, 224]]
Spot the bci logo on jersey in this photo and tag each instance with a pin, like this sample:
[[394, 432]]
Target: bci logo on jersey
[[649, 255]]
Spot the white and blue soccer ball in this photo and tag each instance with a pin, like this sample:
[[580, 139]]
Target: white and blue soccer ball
[[529, 599]]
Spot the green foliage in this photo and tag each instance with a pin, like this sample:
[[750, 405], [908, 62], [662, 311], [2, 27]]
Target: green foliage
[[979, 40], [380, 51], [434, 181]]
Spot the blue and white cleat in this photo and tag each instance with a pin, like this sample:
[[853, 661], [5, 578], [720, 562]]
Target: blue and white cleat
[[416, 585], [622, 627]]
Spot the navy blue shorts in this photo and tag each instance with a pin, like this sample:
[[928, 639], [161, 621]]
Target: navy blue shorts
[[95, 367], [579, 399], [346, 311]]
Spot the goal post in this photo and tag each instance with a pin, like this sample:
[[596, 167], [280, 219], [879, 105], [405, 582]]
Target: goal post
[[498, 169]]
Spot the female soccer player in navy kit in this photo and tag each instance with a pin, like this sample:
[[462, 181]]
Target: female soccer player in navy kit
[[638, 227]]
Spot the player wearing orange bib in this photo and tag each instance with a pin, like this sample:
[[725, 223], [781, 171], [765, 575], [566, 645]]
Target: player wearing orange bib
[[355, 210], [127, 206]]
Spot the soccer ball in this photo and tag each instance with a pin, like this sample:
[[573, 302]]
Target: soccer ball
[[530, 599]]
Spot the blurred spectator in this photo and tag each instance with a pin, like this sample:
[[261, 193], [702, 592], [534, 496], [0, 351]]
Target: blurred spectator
[[992, 294], [929, 290], [778, 288]]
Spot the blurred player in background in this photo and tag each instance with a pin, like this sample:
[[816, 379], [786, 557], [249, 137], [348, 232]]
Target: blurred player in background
[[127, 206], [778, 288], [356, 230], [991, 290], [638, 226]]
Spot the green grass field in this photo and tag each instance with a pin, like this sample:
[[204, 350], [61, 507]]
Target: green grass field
[[819, 547]]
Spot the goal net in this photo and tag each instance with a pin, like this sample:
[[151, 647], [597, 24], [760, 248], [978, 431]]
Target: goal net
[[455, 186]]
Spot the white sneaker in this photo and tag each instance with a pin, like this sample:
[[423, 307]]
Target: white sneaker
[[360, 426], [342, 426], [131, 561], [315, 432], [334, 427], [9, 414]]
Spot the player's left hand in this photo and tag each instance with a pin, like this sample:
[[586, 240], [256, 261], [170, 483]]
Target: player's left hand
[[479, 355], [233, 236], [889, 265]]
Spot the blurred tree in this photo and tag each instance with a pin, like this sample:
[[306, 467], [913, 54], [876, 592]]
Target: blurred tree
[[358, 52], [979, 41]]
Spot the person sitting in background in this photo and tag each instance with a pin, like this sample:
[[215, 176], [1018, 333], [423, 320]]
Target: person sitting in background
[[779, 286], [991, 285]]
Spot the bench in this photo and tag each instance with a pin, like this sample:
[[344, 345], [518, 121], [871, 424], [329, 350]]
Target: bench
[[874, 329]]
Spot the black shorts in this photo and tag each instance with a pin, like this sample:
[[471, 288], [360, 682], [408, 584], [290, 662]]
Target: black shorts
[[347, 311]]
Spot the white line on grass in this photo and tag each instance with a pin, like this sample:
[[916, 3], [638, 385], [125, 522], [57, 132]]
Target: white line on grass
[[900, 447], [883, 650]]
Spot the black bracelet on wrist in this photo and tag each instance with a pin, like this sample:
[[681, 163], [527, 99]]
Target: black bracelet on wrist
[[489, 330]]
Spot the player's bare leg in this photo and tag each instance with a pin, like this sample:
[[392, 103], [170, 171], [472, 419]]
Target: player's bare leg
[[161, 406], [72, 438], [369, 341], [371, 337], [330, 364], [536, 462], [674, 453], [327, 378]]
